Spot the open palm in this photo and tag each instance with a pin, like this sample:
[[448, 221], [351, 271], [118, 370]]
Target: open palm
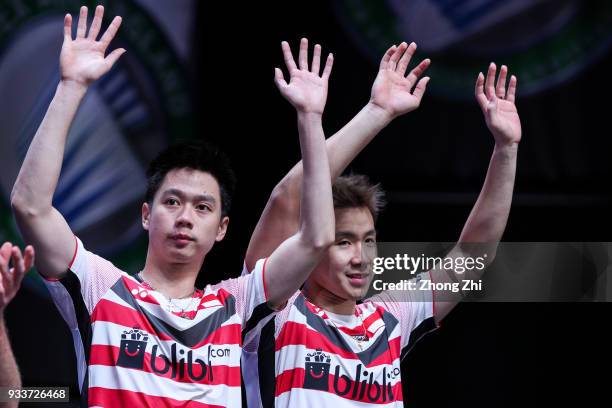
[[82, 60], [392, 91], [306, 90], [498, 105]]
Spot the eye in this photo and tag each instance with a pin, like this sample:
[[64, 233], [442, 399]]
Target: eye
[[343, 243], [171, 201], [370, 241], [203, 207]]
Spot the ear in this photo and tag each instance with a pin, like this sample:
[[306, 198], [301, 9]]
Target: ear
[[222, 228], [146, 213]]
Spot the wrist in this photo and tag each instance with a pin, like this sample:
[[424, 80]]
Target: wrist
[[309, 116], [382, 116], [506, 149], [72, 85]]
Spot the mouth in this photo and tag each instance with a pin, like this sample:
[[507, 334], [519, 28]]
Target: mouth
[[182, 239], [357, 279]]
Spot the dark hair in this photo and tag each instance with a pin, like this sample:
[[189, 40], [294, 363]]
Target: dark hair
[[197, 156], [357, 191]]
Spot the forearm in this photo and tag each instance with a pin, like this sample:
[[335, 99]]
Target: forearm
[[9, 372], [316, 208], [39, 174], [488, 218]]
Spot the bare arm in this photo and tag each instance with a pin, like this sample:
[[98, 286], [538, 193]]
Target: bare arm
[[291, 263], [487, 220], [393, 95], [10, 280], [82, 61]]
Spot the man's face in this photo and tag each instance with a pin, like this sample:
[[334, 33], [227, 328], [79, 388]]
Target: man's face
[[185, 219], [346, 269]]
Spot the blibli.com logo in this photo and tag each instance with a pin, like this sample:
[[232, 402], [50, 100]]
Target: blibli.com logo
[[360, 385], [180, 363]]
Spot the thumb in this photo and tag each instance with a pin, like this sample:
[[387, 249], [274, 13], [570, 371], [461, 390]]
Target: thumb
[[112, 58], [279, 79]]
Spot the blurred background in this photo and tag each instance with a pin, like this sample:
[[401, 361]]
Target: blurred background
[[205, 69]]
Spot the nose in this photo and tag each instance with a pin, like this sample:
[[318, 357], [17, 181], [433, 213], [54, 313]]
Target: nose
[[184, 218], [357, 256]]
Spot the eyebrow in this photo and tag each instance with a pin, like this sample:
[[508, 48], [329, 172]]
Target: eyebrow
[[348, 234], [200, 197]]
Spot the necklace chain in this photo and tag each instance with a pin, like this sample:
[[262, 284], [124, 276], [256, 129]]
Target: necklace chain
[[359, 339], [170, 301]]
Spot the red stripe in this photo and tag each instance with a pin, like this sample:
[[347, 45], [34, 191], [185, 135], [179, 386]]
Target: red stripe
[[293, 333], [221, 374], [374, 316], [105, 397], [349, 388], [108, 311]]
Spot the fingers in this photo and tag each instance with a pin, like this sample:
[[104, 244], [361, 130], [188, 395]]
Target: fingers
[[94, 30], [420, 88], [19, 268], [5, 256], [500, 89], [510, 96], [396, 56], [490, 84], [82, 25], [112, 58], [479, 91], [67, 27], [418, 71], [328, 66], [316, 60], [28, 258], [402, 65], [288, 56], [384, 62], [110, 32], [303, 56], [279, 79], [5, 251]]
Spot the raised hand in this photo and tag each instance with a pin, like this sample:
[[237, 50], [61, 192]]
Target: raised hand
[[498, 106], [392, 91], [10, 278], [306, 90], [82, 59]]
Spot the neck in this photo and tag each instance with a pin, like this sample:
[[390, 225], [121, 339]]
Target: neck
[[327, 300], [173, 280]]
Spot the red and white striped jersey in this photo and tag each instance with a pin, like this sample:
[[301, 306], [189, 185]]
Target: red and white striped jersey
[[133, 351], [308, 357]]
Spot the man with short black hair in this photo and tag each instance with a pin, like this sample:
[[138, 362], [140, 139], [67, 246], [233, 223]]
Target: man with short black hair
[[153, 339]]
